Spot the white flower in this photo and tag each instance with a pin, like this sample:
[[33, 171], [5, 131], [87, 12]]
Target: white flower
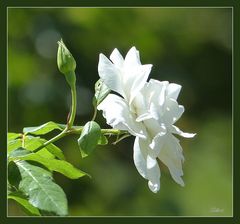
[[148, 110]]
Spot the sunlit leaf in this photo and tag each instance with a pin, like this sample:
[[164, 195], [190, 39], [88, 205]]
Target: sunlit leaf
[[13, 144], [42, 192], [43, 129], [52, 164], [89, 138], [55, 151], [31, 143], [12, 136]]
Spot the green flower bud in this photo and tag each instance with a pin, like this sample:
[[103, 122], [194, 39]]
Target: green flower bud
[[66, 63]]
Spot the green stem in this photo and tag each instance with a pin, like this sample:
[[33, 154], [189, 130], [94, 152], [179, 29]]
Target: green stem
[[74, 106], [113, 132], [54, 139], [71, 79], [78, 131], [95, 113], [103, 131]]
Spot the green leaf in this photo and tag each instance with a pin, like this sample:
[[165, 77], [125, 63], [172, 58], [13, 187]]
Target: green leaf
[[89, 138], [14, 176], [43, 129], [13, 144], [102, 140], [101, 92], [9, 188], [28, 208], [31, 143], [42, 192], [52, 164], [55, 151], [12, 136]]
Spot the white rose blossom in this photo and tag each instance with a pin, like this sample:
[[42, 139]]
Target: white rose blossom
[[147, 110]]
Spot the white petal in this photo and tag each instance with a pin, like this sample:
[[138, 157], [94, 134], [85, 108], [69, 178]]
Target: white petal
[[155, 110], [137, 80], [110, 74], [126, 77], [153, 176], [140, 105], [132, 58], [139, 156], [117, 113], [162, 95], [173, 90], [156, 92], [157, 143], [146, 165], [151, 162], [171, 155], [172, 112], [154, 127], [144, 116], [117, 58], [176, 130], [154, 187], [135, 74]]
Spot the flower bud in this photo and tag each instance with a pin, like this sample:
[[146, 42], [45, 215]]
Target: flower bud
[[65, 61]]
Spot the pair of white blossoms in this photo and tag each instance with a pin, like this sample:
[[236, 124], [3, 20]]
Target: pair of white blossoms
[[147, 110]]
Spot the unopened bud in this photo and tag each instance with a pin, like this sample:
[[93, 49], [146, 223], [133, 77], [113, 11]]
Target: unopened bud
[[66, 63]]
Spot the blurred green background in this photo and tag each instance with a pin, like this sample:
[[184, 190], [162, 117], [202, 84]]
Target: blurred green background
[[189, 46]]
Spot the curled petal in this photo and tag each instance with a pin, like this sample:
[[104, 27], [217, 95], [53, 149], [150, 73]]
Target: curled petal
[[117, 114], [146, 164], [176, 130], [171, 155], [110, 74]]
